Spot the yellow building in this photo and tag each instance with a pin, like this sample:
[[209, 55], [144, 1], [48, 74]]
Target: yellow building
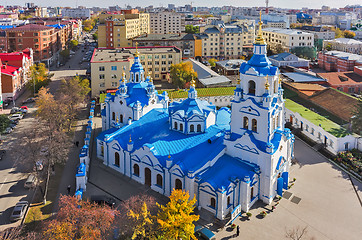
[[107, 65], [117, 29]]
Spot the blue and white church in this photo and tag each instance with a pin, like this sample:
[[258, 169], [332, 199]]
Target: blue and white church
[[226, 157]]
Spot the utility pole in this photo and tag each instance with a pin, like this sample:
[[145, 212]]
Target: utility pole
[[267, 6]]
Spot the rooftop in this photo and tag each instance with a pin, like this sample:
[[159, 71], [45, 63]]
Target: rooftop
[[345, 41], [284, 55], [231, 64], [306, 88], [31, 27], [286, 31], [164, 37], [345, 55], [302, 77], [123, 54], [342, 78]]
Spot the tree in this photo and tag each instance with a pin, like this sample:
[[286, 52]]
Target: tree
[[279, 48], [65, 54], [357, 117], [176, 219], [212, 62], [138, 220], [328, 47], [348, 34], [306, 52], [296, 233], [192, 29], [182, 73], [78, 219], [4, 122], [39, 77], [338, 32], [95, 35], [73, 44]]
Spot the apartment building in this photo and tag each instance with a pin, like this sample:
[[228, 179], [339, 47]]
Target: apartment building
[[83, 13], [319, 32], [167, 22], [116, 29], [345, 45], [190, 44], [107, 65], [227, 41], [287, 38], [337, 61]]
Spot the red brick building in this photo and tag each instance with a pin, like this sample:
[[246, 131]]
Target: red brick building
[[336, 61], [10, 81], [348, 82], [42, 39]]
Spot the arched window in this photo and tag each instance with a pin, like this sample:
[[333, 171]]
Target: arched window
[[192, 128], [251, 87], [181, 127], [136, 170], [121, 118], [212, 202], [136, 77], [275, 86], [228, 201], [159, 180], [175, 126], [251, 193], [198, 127], [113, 116], [178, 184], [116, 159], [102, 151], [254, 125], [246, 123]]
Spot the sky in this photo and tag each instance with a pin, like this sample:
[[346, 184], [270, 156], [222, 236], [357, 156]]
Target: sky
[[298, 4]]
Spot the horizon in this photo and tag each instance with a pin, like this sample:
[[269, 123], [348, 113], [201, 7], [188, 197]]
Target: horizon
[[297, 4]]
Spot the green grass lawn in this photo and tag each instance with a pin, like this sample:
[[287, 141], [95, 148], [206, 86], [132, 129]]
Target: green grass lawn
[[329, 126]]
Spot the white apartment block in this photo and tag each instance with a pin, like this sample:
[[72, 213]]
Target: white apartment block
[[167, 22], [345, 45], [76, 13], [287, 38]]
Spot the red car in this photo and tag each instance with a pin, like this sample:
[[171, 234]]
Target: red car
[[24, 107]]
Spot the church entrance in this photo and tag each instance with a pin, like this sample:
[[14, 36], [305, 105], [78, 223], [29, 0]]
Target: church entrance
[[147, 177]]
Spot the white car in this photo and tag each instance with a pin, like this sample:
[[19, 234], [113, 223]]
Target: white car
[[16, 117], [19, 211]]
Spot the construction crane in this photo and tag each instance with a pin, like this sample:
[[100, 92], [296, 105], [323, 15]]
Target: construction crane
[[267, 6]]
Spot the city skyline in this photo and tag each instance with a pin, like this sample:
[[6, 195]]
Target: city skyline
[[297, 4]]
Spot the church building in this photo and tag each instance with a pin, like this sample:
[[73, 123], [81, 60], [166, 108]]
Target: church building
[[226, 157]]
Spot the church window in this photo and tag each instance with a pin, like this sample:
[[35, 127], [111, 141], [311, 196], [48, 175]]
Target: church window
[[254, 125], [102, 151], [121, 118], [198, 127], [159, 180], [277, 123], [136, 77], [228, 201], [192, 128], [246, 123], [251, 87], [251, 193], [136, 170], [175, 126], [113, 116], [275, 86], [181, 127], [116, 159], [212, 203], [178, 184]]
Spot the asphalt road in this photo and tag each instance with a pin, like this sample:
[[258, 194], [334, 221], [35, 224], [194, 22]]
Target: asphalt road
[[12, 176]]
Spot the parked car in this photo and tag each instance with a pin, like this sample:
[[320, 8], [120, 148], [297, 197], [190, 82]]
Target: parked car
[[25, 108], [204, 233], [30, 181], [16, 110], [29, 100], [19, 211], [101, 199], [16, 116], [2, 154]]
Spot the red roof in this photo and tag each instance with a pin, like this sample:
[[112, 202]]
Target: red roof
[[342, 78], [9, 70], [30, 27]]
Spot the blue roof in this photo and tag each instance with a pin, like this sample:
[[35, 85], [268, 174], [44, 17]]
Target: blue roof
[[228, 169], [6, 27], [136, 66], [81, 170], [189, 106], [281, 56], [152, 130], [58, 26], [261, 64]]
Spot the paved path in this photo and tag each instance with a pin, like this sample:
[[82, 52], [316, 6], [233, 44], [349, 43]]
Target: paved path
[[329, 205]]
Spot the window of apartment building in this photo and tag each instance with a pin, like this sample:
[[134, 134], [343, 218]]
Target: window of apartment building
[[169, 56], [157, 75], [114, 68], [149, 56], [156, 63], [36, 46], [150, 70], [149, 63], [157, 69], [44, 45], [163, 62], [114, 84], [169, 62], [157, 56], [163, 69], [113, 76], [44, 51], [35, 34], [101, 68], [102, 84], [163, 56], [101, 76], [351, 89]]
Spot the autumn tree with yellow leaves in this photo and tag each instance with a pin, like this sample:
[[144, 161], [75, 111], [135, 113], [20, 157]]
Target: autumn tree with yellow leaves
[[176, 218]]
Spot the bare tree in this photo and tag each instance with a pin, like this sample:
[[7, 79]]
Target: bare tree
[[296, 233], [11, 233]]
